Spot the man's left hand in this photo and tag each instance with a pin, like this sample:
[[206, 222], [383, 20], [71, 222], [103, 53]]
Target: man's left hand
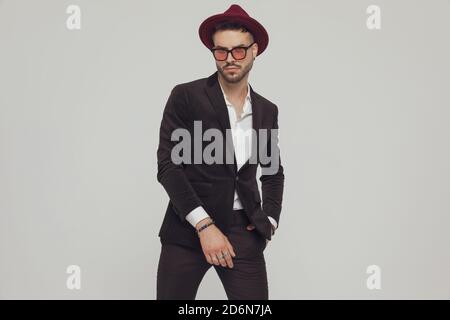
[[251, 227]]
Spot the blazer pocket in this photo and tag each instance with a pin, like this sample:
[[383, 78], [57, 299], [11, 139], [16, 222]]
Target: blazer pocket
[[203, 189]]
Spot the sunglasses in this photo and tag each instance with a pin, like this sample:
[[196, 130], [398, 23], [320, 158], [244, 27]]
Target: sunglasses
[[238, 53]]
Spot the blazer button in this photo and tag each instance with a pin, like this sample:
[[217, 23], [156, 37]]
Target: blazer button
[[237, 178]]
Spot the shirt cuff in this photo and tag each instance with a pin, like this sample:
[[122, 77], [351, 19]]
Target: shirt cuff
[[196, 215], [273, 221]]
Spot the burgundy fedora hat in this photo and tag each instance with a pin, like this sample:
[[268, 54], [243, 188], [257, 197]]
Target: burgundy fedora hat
[[234, 14]]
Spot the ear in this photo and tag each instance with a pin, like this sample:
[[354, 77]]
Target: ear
[[255, 50]]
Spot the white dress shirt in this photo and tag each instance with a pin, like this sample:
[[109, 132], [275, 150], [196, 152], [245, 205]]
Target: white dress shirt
[[241, 130]]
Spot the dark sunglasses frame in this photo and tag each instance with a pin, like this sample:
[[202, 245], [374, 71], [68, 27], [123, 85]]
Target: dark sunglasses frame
[[231, 50]]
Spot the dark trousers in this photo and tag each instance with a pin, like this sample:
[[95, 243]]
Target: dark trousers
[[181, 269]]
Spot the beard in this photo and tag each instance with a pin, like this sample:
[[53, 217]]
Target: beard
[[236, 75]]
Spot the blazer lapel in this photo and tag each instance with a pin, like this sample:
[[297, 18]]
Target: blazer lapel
[[215, 96], [256, 123], [217, 100]]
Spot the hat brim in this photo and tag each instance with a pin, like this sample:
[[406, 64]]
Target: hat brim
[[259, 33]]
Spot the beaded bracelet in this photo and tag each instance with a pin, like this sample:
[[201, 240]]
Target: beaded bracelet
[[205, 226]]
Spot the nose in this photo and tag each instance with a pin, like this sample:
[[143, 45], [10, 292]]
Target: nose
[[230, 58]]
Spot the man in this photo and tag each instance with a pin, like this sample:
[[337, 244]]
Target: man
[[214, 216]]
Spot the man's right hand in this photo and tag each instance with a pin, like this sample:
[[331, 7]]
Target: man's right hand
[[215, 244]]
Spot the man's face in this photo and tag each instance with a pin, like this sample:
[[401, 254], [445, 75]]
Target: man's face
[[233, 70]]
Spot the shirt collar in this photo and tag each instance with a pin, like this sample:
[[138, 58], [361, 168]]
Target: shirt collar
[[248, 99]]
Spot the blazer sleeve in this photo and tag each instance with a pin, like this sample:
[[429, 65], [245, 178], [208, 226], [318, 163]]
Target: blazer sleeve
[[171, 175], [272, 183]]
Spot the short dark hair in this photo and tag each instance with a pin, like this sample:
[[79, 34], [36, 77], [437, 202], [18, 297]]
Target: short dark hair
[[229, 25]]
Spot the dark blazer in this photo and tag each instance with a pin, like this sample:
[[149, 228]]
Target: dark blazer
[[212, 185]]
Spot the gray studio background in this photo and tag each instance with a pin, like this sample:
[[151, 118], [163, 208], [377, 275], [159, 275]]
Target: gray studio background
[[364, 137]]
